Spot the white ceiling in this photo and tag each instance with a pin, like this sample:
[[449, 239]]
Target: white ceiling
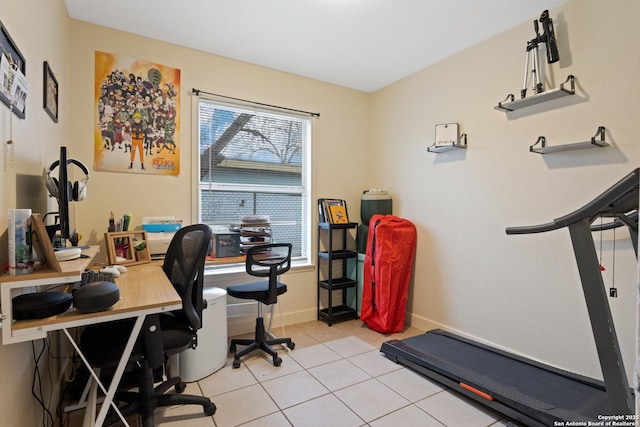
[[360, 44]]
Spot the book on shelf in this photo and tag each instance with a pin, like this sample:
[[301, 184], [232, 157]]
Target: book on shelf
[[325, 210], [20, 248], [338, 214], [323, 214]]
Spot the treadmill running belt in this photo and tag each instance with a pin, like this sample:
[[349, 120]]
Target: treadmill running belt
[[541, 392]]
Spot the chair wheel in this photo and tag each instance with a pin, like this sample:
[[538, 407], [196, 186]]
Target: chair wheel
[[180, 387], [232, 348], [277, 361], [291, 345], [210, 409], [236, 363]]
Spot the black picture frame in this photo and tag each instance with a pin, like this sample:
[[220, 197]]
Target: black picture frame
[[9, 48], [50, 92]]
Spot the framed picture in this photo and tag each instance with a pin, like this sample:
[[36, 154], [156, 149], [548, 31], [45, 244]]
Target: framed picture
[[12, 64], [50, 93], [447, 134], [127, 247]]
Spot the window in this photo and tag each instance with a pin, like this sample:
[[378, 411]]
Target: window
[[255, 162]]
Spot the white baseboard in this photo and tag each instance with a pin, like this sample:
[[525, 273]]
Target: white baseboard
[[425, 324]]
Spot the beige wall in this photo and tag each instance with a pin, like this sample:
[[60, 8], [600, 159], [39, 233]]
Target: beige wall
[[42, 32], [518, 292]]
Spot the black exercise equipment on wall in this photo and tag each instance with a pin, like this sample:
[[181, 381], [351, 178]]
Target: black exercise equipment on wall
[[525, 390]]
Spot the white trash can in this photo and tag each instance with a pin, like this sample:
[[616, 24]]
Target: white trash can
[[211, 352]]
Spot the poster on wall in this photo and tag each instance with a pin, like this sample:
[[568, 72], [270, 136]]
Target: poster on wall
[[137, 116]]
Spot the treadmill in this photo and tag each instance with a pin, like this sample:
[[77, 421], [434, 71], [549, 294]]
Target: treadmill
[[524, 390]]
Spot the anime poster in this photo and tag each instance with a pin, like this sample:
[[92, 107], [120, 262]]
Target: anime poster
[[137, 116]]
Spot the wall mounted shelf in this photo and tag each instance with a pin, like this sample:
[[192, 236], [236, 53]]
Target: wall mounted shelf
[[548, 95], [544, 149], [448, 138], [450, 145]]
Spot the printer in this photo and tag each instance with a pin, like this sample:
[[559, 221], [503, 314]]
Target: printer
[[160, 230], [158, 243]]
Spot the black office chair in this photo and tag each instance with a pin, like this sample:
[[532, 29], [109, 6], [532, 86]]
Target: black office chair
[[162, 335], [269, 260]]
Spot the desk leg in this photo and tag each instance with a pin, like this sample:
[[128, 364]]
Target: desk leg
[[109, 394], [91, 402], [82, 402]]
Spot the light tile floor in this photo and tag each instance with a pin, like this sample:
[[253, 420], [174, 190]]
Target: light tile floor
[[335, 377]]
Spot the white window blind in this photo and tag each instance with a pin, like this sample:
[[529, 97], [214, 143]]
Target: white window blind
[[255, 162]]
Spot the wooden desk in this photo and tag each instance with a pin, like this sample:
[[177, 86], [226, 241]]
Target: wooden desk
[[144, 290], [11, 286]]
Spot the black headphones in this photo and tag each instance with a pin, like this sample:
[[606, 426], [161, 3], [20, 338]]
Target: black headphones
[[77, 190]]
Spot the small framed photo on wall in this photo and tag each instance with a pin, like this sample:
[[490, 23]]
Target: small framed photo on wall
[[13, 81], [50, 95]]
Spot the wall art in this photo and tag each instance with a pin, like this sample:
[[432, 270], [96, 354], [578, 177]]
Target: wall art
[[136, 116]]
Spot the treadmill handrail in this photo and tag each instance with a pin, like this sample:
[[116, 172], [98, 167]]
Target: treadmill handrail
[[530, 229], [624, 193]]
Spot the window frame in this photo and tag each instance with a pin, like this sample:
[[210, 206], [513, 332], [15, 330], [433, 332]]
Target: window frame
[[305, 190]]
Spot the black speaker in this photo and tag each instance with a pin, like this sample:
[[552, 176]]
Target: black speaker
[[40, 305], [96, 296]]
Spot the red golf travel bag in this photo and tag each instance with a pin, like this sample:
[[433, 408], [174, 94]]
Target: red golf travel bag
[[388, 260]]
